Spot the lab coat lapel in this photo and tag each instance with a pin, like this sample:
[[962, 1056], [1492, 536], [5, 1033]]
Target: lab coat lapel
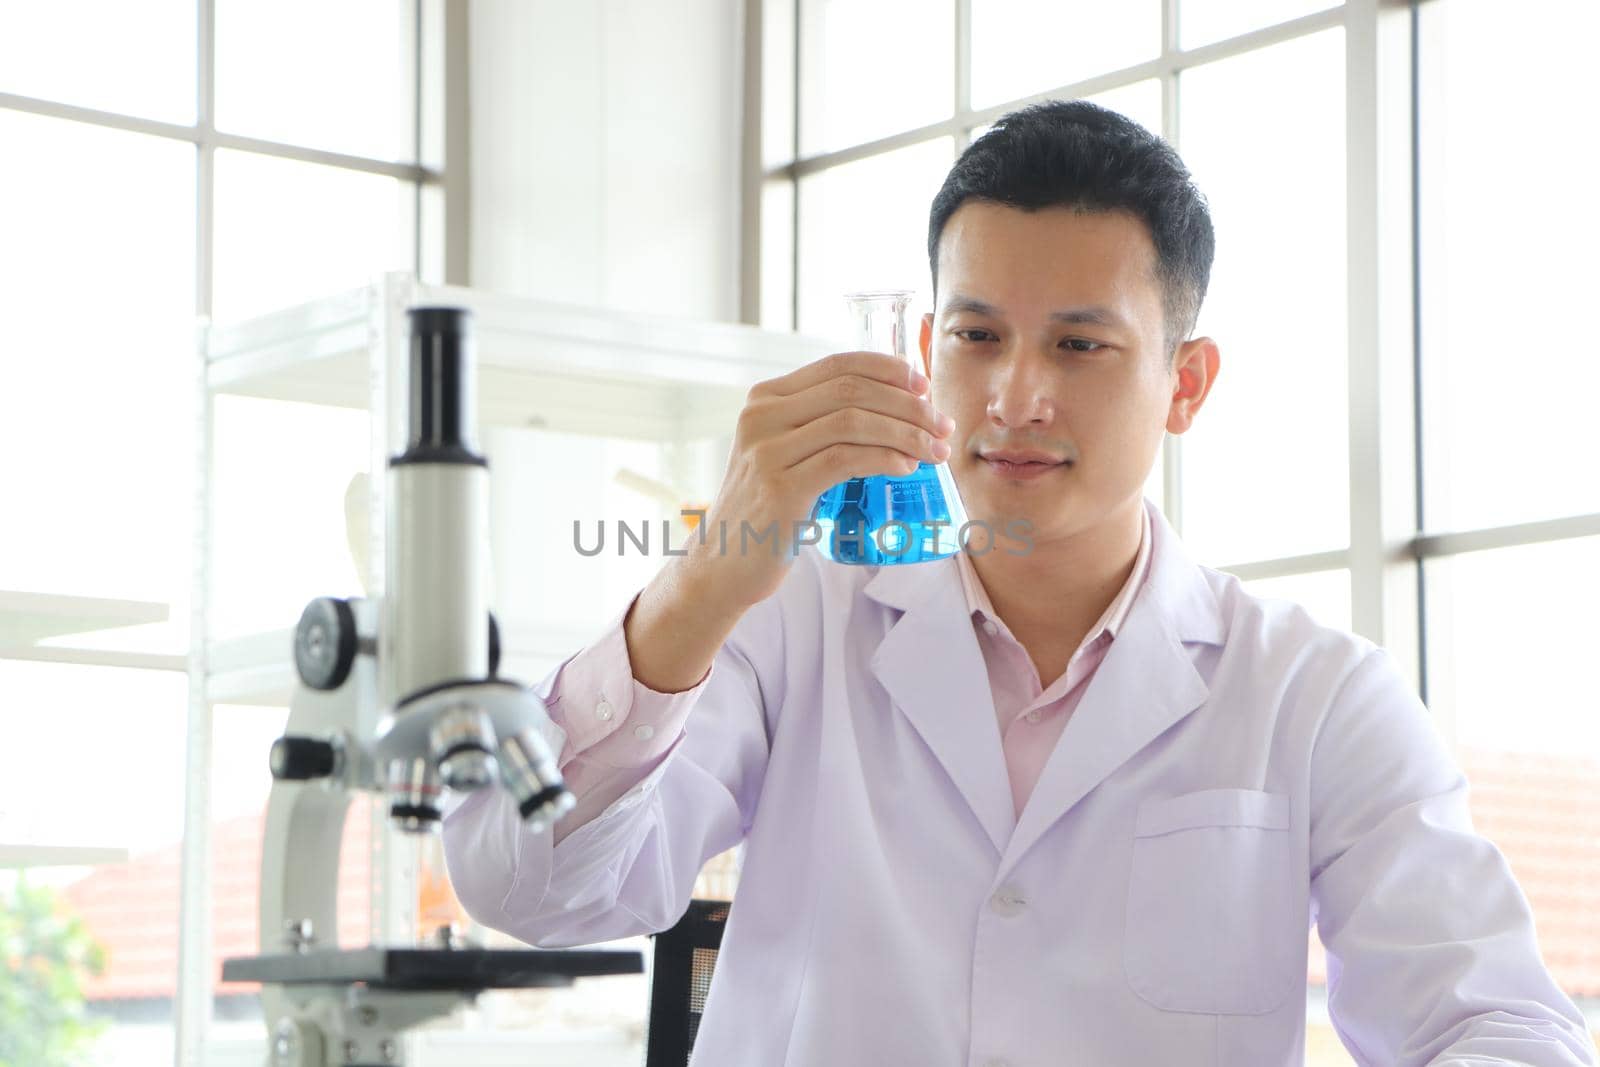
[[931, 665], [1146, 683], [933, 669]]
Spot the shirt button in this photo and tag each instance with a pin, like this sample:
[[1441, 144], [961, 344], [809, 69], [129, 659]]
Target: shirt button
[[996, 1062], [1007, 901], [989, 627], [602, 710], [644, 733]]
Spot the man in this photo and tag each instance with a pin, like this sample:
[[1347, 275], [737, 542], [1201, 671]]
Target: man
[[1070, 800]]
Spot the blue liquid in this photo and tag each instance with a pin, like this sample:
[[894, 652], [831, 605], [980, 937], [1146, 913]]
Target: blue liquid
[[854, 517]]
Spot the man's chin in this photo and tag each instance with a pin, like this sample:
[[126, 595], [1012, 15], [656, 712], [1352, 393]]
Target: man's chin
[[990, 528]]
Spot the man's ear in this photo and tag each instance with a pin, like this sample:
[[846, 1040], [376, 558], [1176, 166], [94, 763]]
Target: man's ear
[[1194, 370], [925, 343]]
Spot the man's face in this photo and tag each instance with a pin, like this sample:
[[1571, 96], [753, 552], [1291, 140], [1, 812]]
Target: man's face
[[1048, 338]]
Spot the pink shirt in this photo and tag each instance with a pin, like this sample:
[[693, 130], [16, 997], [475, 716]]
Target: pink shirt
[[1030, 716], [617, 732]]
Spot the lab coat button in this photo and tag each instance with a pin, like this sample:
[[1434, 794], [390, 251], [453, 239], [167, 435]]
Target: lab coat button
[[990, 628], [996, 1062], [1007, 901], [644, 733], [1033, 716], [602, 710]]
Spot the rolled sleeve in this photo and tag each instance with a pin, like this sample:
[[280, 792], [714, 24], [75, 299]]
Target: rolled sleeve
[[647, 819], [1432, 957], [618, 730], [612, 720]]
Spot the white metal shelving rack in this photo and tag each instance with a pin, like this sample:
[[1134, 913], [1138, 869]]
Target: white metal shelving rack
[[539, 364]]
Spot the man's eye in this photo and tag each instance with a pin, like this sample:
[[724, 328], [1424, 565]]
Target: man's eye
[[973, 335], [1078, 344]]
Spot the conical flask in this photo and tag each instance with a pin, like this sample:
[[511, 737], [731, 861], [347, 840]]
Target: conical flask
[[888, 519]]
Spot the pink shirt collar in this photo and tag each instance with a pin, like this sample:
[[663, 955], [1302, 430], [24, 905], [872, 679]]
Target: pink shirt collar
[[1110, 621]]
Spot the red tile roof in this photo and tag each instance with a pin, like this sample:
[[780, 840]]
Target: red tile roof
[[132, 908], [1543, 811]]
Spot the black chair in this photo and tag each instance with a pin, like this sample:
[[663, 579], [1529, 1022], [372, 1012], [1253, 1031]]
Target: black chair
[[683, 959]]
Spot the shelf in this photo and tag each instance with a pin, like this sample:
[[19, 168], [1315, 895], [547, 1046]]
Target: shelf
[[539, 363], [27, 618], [58, 856]]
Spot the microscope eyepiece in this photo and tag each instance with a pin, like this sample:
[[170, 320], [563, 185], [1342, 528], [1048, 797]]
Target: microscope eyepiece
[[443, 393]]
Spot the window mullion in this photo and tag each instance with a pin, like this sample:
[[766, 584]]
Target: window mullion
[[195, 947], [1382, 474]]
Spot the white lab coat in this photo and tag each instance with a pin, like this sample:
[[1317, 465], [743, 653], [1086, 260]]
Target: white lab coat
[[1233, 773]]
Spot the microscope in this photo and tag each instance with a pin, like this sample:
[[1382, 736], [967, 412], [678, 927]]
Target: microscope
[[401, 696]]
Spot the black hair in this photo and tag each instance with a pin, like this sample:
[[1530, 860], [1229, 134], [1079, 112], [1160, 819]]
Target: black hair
[[1074, 154]]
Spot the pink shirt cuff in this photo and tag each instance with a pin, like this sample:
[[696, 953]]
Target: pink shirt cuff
[[612, 720]]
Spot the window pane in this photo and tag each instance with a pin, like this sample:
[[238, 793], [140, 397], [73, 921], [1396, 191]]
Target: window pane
[[865, 226], [288, 232], [550, 493], [777, 82], [280, 476], [777, 255], [1510, 665], [1507, 438], [323, 75], [1140, 101], [1511, 646], [870, 68], [1265, 465], [98, 272], [1204, 21], [1020, 47], [126, 731], [276, 459], [136, 59], [1325, 594]]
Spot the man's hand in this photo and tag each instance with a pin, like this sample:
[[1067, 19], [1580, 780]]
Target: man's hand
[[847, 415]]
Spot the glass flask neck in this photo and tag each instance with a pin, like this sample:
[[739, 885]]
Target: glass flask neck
[[879, 320]]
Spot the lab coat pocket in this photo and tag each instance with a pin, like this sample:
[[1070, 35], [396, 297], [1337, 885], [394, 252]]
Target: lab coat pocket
[[1210, 895]]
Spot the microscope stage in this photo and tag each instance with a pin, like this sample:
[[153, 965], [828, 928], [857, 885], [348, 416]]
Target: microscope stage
[[430, 970]]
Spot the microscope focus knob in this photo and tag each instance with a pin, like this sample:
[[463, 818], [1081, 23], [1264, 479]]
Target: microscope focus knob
[[296, 759], [325, 643]]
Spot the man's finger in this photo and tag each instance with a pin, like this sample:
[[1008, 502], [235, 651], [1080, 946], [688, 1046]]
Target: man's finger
[[884, 368]]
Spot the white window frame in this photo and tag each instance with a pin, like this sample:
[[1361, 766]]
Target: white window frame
[[1388, 541], [434, 43]]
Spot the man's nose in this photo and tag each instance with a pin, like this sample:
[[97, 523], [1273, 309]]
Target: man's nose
[[1017, 394]]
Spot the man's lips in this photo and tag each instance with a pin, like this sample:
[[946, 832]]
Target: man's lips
[[1007, 455], [1021, 464]]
